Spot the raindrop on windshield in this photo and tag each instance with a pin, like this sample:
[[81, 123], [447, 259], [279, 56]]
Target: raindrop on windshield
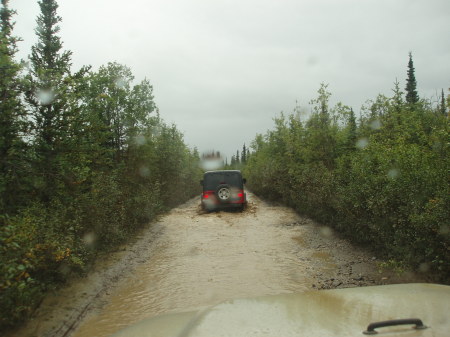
[[89, 239], [444, 229], [424, 267], [438, 146], [326, 232], [120, 83], [362, 143], [375, 125], [64, 269], [312, 60], [211, 160], [140, 139], [211, 164], [393, 173], [45, 96], [144, 171], [156, 131]]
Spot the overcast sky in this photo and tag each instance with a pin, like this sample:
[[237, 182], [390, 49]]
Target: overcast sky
[[222, 69]]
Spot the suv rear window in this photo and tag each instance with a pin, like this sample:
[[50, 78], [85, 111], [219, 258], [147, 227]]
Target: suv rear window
[[213, 179]]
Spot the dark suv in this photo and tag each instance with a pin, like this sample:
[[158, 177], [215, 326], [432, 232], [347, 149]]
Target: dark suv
[[223, 189]]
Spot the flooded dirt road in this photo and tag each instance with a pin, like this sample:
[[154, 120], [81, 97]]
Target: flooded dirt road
[[191, 260], [204, 259]]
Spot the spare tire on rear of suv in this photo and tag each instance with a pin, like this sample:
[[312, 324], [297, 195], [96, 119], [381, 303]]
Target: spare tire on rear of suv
[[223, 193], [222, 189]]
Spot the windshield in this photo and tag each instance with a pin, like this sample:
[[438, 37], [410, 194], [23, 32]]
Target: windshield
[[196, 152]]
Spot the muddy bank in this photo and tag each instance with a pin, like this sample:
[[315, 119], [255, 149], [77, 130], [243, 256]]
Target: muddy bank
[[190, 259]]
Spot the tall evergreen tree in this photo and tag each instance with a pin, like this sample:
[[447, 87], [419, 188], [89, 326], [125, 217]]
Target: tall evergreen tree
[[244, 155], [48, 87], [11, 112], [47, 55], [411, 85]]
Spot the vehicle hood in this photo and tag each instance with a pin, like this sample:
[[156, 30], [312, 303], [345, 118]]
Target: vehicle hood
[[338, 312]]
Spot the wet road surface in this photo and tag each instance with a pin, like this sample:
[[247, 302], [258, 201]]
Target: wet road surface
[[202, 259]]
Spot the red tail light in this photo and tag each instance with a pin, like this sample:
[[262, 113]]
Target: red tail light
[[240, 194], [206, 194]]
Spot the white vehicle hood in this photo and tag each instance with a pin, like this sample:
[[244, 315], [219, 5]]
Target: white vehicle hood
[[339, 312]]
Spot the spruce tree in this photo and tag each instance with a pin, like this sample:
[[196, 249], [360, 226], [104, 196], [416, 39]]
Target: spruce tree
[[442, 107], [244, 155], [11, 115], [411, 85], [47, 55], [47, 93]]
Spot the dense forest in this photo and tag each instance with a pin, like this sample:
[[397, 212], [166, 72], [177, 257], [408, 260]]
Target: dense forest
[[381, 180], [85, 161]]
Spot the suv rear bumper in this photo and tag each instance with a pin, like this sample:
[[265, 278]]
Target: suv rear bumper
[[210, 201]]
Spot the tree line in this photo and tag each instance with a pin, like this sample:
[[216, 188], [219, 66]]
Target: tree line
[[380, 179], [85, 161]]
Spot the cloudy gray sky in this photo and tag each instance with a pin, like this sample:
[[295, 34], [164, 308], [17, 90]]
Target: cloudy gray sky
[[222, 69]]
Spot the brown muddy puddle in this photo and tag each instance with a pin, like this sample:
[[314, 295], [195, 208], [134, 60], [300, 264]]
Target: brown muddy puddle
[[204, 259]]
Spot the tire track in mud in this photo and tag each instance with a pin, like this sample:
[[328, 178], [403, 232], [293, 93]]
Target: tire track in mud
[[191, 259]]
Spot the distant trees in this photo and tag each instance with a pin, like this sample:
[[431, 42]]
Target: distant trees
[[238, 161], [85, 160], [381, 180]]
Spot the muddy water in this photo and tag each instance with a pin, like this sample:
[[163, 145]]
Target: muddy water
[[203, 259]]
